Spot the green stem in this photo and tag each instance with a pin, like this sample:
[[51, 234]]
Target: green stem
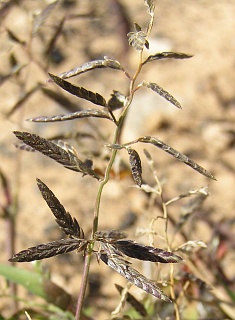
[[94, 229], [116, 139]]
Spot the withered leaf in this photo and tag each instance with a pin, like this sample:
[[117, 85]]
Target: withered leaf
[[139, 307], [136, 168], [79, 92], [68, 224], [96, 113], [42, 16], [191, 246], [202, 192], [192, 205], [49, 249], [117, 100], [178, 155], [145, 253], [91, 65], [65, 157], [163, 93], [132, 275], [164, 55]]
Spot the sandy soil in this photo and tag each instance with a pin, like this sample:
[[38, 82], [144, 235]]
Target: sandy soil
[[203, 129]]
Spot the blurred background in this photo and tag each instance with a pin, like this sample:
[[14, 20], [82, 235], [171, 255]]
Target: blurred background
[[37, 37]]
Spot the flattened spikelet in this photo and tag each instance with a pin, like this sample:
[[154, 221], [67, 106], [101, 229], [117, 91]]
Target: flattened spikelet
[[68, 224], [136, 168], [66, 157], [145, 253], [49, 249], [124, 269], [178, 155]]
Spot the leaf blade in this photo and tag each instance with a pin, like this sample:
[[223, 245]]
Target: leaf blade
[[30, 280]]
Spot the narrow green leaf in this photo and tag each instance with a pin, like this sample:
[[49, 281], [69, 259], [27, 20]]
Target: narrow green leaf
[[37, 285], [32, 281]]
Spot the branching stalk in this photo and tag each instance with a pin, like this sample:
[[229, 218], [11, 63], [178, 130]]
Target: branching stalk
[[116, 139]]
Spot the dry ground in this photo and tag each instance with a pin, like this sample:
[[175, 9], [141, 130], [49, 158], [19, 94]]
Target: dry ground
[[203, 129]]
